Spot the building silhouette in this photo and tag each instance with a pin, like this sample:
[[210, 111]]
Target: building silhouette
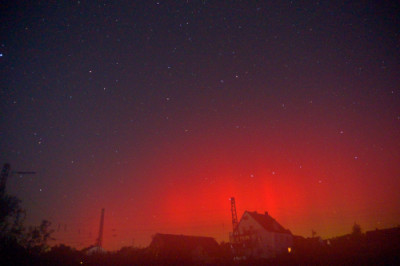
[[261, 236]]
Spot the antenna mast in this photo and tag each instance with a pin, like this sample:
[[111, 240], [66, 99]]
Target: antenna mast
[[99, 241]]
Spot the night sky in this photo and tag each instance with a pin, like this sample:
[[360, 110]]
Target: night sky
[[160, 111]]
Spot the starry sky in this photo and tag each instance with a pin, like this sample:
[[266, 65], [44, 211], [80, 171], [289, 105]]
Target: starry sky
[[160, 111]]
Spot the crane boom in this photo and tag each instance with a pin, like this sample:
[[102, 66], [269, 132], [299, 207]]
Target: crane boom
[[5, 173]]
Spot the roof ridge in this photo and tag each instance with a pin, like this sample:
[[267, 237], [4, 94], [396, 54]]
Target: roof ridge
[[268, 222]]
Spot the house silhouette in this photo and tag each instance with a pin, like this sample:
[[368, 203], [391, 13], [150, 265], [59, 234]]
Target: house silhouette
[[262, 236]]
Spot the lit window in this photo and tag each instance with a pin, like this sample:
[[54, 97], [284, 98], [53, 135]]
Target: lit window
[[289, 249]]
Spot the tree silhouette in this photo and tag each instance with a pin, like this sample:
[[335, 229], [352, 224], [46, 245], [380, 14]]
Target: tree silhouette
[[36, 238], [11, 216], [13, 234], [356, 230]]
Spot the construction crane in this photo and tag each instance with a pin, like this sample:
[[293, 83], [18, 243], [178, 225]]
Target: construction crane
[[235, 224], [240, 242], [5, 172]]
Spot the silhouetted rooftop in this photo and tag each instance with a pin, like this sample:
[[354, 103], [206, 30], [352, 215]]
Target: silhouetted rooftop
[[268, 223]]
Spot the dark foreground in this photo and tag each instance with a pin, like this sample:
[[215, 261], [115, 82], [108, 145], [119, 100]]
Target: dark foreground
[[63, 255]]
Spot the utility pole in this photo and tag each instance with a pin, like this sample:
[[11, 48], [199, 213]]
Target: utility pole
[[99, 241], [4, 176]]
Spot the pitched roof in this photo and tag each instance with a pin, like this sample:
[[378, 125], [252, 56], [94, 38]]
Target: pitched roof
[[268, 223]]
